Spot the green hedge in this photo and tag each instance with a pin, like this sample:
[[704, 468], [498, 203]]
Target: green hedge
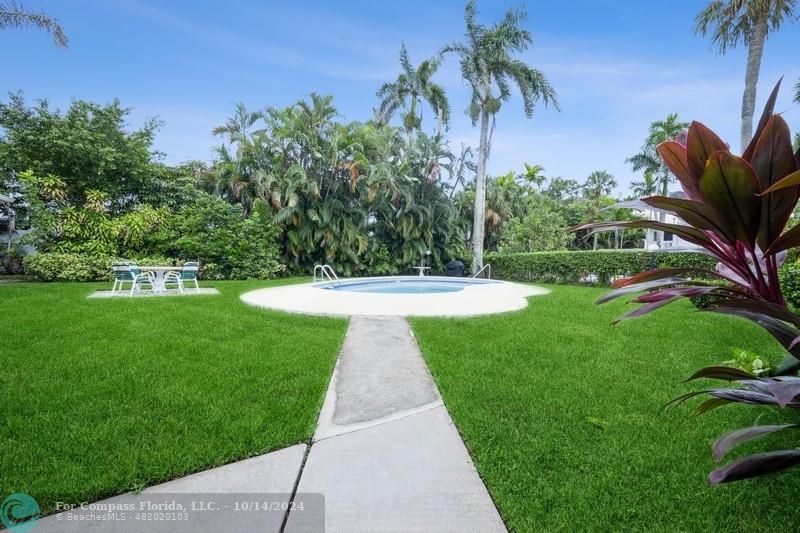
[[53, 266], [790, 283], [587, 266]]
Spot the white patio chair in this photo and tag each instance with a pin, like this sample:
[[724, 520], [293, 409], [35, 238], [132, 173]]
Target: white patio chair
[[122, 274], [188, 272], [141, 278]]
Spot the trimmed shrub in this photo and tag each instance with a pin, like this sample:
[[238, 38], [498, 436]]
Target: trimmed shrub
[[598, 266], [790, 283], [56, 266]]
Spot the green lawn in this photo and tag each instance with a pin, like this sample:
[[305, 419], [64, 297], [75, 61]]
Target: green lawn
[[562, 414], [103, 396]]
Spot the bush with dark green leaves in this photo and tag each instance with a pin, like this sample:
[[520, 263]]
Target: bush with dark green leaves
[[596, 266], [790, 283], [227, 245]]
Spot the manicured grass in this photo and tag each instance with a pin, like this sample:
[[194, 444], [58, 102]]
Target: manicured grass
[[104, 396], [562, 414]]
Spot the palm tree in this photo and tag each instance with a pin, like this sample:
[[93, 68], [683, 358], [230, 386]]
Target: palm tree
[[534, 174], [411, 86], [598, 185], [797, 100], [489, 68], [648, 160], [13, 15], [749, 22], [648, 186]]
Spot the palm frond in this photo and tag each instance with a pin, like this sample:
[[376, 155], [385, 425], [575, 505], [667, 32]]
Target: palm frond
[[13, 15]]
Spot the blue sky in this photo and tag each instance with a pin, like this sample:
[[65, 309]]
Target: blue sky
[[616, 64]]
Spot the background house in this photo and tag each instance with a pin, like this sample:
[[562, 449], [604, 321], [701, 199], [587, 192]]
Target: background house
[[658, 240]]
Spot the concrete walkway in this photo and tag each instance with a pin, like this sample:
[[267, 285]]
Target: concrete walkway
[[269, 477], [386, 454]]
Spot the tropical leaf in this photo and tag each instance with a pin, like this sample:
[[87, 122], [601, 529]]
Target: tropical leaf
[[726, 373], [740, 436], [792, 180], [645, 309], [672, 293], [659, 283], [789, 239], [701, 143], [687, 233], [730, 184], [755, 465], [674, 155], [660, 273], [769, 109], [772, 160], [785, 389], [710, 405], [699, 215]]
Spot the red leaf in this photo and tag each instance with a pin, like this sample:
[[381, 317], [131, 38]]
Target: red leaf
[[792, 180], [700, 144], [686, 233], [698, 215], [769, 109], [789, 239], [659, 273], [643, 310], [721, 372], [755, 465], [730, 184], [772, 160], [734, 438], [674, 156], [670, 293]]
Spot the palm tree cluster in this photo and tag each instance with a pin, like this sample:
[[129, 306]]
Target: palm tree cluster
[[352, 195]]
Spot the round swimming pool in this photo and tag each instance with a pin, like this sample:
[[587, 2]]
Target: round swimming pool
[[396, 296], [399, 285]]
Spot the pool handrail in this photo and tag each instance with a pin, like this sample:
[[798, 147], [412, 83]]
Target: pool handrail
[[326, 271], [488, 268]]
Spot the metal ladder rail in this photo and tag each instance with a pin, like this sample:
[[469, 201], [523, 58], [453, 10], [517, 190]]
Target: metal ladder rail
[[326, 271], [488, 268]]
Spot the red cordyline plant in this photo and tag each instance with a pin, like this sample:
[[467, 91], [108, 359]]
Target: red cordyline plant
[[736, 209]]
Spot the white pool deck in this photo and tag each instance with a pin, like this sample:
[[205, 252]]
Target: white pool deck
[[473, 300]]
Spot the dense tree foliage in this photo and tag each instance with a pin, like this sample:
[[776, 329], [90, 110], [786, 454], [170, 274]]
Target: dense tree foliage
[[352, 194]]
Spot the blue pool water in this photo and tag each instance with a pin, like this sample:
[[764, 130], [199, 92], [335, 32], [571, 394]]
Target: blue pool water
[[403, 285]]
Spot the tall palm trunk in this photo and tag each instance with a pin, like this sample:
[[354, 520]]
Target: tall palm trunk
[[478, 221], [662, 216], [755, 51], [439, 124]]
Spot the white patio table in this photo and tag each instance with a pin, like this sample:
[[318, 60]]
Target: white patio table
[[158, 275]]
